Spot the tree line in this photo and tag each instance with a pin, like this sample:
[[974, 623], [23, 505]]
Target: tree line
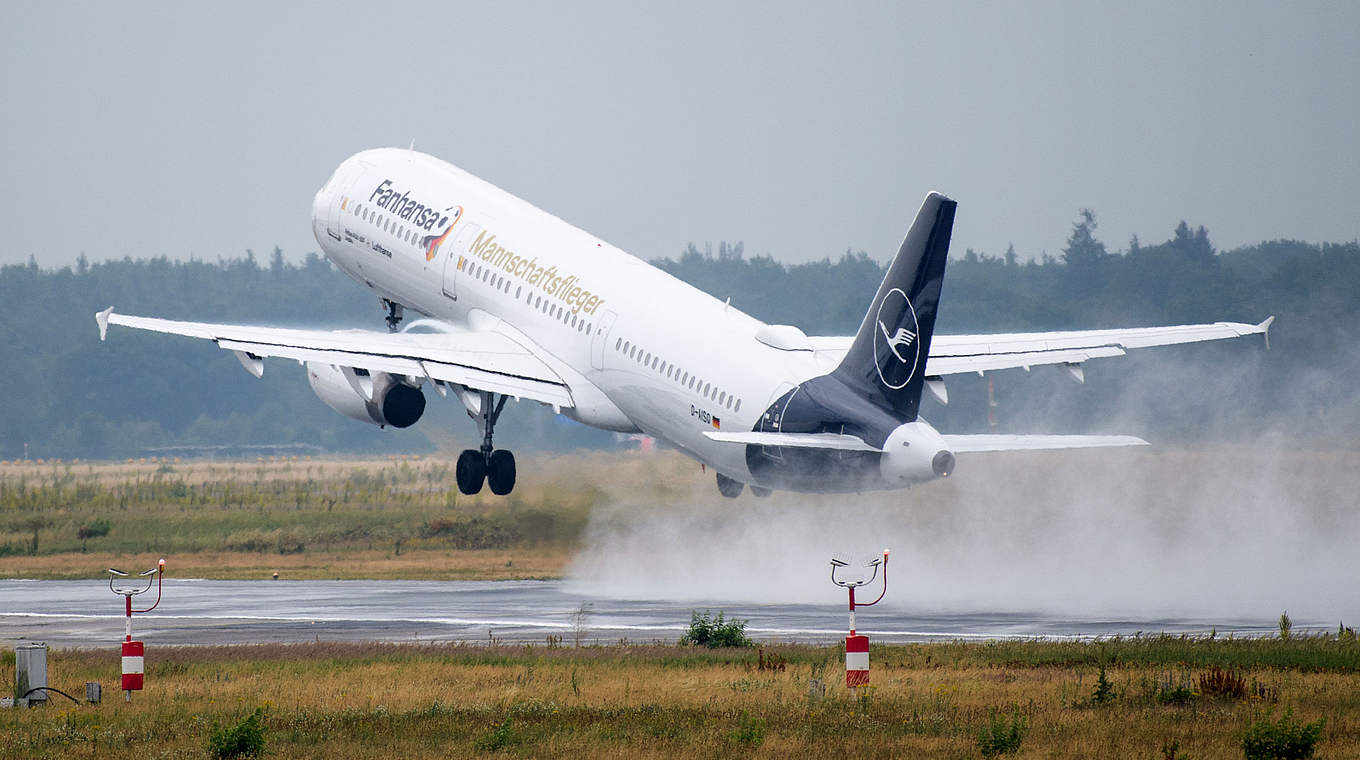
[[71, 396]]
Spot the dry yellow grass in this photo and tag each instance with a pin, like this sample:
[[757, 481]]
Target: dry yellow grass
[[371, 701], [417, 564]]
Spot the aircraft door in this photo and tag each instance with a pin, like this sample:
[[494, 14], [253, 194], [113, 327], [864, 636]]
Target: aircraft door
[[338, 189], [600, 340], [454, 262], [773, 423]]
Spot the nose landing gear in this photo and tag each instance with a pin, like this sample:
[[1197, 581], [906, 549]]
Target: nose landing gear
[[487, 465]]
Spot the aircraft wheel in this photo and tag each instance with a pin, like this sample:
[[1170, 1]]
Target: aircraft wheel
[[729, 487], [470, 472], [761, 492], [500, 472]]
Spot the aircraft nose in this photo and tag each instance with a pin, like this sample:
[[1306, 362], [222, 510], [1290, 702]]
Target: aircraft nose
[[321, 209]]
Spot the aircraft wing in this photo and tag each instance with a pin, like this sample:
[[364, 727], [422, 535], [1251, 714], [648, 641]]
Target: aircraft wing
[[957, 354], [480, 360], [964, 444]]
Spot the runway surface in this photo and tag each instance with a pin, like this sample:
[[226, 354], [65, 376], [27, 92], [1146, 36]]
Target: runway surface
[[86, 613]]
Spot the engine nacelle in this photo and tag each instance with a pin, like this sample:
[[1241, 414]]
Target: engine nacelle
[[379, 399], [915, 453]]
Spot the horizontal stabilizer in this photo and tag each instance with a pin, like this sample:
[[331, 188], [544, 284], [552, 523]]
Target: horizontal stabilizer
[[964, 444], [835, 441]]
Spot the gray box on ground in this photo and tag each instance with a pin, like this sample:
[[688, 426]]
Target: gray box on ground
[[30, 672]]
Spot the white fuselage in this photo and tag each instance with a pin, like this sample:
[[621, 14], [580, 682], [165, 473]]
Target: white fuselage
[[639, 349]]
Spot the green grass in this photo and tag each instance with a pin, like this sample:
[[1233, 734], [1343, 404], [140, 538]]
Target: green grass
[[1320, 652]]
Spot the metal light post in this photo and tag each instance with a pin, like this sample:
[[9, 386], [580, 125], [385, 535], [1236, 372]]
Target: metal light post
[[856, 646], [133, 651]]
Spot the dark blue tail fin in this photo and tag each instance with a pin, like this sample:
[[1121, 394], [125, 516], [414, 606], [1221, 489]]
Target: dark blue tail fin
[[887, 361]]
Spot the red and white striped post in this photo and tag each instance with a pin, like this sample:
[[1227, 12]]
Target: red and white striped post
[[134, 663], [857, 646], [134, 652]]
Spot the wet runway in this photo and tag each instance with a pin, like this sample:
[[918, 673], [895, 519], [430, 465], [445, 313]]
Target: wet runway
[[86, 613]]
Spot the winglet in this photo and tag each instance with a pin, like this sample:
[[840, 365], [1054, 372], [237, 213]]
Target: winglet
[[101, 318], [1265, 329]]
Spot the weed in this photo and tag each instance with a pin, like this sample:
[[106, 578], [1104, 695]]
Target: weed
[[245, 739], [497, 738], [705, 630], [1286, 739], [864, 697], [1174, 691], [580, 622], [774, 661], [1223, 684], [749, 731], [1001, 736], [1268, 694], [1171, 750], [1286, 625]]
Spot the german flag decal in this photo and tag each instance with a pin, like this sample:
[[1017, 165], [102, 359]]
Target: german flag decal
[[717, 424], [433, 242]]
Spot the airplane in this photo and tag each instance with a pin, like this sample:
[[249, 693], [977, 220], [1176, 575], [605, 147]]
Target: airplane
[[519, 304]]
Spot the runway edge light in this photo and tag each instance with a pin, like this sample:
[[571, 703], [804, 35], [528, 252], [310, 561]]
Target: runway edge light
[[134, 652], [856, 645]]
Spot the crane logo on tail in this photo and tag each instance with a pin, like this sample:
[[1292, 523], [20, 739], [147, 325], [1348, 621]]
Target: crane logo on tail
[[896, 350]]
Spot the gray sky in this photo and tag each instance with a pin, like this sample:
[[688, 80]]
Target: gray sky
[[205, 129]]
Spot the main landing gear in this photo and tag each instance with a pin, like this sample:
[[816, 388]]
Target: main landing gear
[[489, 465], [733, 488], [395, 312]]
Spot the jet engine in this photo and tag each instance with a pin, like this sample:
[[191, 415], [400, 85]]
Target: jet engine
[[915, 453], [379, 399]]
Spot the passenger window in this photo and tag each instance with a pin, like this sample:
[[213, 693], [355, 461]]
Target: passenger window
[[707, 387], [722, 398], [737, 408]]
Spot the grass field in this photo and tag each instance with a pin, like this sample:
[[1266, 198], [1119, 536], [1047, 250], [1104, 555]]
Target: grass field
[[663, 700], [389, 518]]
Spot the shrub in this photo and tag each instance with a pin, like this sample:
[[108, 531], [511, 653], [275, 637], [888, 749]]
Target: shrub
[[1286, 625], [245, 739], [1104, 691], [1283, 740], [750, 731], [94, 529], [1001, 736], [705, 630], [498, 738]]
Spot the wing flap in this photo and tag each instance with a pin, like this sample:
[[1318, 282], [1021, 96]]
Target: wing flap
[[835, 441], [482, 360], [967, 444]]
